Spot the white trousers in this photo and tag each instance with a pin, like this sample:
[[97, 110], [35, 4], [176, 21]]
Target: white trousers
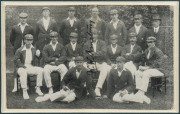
[[131, 67], [62, 95], [24, 72], [49, 68], [142, 78], [104, 71]]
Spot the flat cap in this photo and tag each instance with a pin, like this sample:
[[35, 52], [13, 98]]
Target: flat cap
[[151, 38], [114, 11], [28, 36], [156, 17], [137, 16], [132, 34], [73, 34], [23, 15], [71, 9], [113, 36], [45, 8], [53, 33], [120, 59], [79, 58]]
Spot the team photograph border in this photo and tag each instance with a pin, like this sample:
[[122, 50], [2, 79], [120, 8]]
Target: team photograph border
[[175, 6]]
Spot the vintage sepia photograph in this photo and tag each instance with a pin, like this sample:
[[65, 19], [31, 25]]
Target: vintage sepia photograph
[[89, 56]]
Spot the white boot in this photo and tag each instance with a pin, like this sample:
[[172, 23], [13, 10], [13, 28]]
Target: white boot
[[38, 91], [97, 91], [50, 90], [25, 94]]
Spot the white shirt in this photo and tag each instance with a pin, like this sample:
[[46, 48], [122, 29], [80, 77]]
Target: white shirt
[[73, 46], [28, 58], [132, 46], [94, 45], [148, 53], [22, 27], [156, 29], [46, 23], [71, 21], [53, 46], [113, 49], [137, 28], [114, 23], [77, 73]]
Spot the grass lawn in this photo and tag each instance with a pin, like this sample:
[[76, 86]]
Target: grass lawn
[[16, 101]]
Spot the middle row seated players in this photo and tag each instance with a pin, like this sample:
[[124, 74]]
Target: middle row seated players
[[69, 52]]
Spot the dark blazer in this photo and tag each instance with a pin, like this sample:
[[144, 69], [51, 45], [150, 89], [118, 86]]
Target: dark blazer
[[111, 58], [50, 55], [16, 36], [160, 37], [100, 25], [116, 83], [77, 84], [99, 56], [141, 36], [20, 56], [42, 36], [136, 54], [66, 29], [120, 31], [155, 58], [69, 53]]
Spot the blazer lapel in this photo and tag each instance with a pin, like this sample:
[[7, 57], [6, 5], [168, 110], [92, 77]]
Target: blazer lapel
[[135, 47], [50, 22], [42, 25], [140, 30], [33, 52], [152, 52], [112, 27]]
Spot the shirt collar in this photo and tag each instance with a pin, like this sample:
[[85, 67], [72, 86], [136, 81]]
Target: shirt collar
[[156, 28], [24, 25], [113, 47], [98, 19], [95, 42], [113, 21], [137, 26], [24, 48], [121, 72], [48, 18], [52, 44], [72, 19], [73, 44]]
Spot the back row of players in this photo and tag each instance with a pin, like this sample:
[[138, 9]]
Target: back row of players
[[54, 55]]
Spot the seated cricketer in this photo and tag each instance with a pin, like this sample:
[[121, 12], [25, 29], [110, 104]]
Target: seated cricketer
[[132, 52], [95, 55], [120, 86], [151, 68], [73, 84], [24, 59], [120, 82], [72, 50], [53, 60], [113, 51]]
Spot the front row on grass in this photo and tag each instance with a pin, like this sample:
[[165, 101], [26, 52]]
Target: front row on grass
[[118, 71]]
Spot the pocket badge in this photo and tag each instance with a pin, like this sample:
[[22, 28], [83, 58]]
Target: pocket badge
[[75, 29]]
